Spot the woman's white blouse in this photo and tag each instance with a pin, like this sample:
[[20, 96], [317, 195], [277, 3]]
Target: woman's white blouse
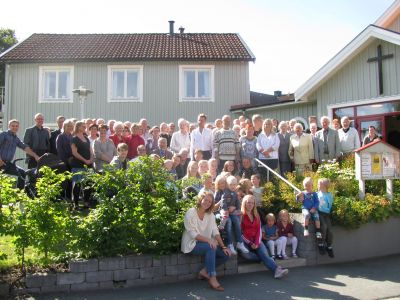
[[194, 226], [264, 142]]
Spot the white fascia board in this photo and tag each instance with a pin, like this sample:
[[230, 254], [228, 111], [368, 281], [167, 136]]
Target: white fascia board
[[345, 55]]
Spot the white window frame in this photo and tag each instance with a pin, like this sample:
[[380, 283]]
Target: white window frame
[[57, 69], [125, 68], [196, 68]]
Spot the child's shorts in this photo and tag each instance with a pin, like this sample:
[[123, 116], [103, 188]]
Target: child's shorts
[[307, 215]]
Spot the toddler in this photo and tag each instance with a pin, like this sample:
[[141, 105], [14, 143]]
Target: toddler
[[198, 155], [286, 235], [325, 206], [270, 234], [207, 184], [203, 167], [230, 213], [247, 169], [310, 206], [212, 167]]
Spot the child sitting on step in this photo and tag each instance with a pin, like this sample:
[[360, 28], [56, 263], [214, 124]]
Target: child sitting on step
[[270, 234], [310, 204], [286, 235]]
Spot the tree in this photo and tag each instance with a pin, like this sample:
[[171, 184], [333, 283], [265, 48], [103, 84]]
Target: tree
[[7, 39]]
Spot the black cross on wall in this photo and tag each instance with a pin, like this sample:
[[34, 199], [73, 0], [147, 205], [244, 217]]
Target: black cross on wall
[[379, 59]]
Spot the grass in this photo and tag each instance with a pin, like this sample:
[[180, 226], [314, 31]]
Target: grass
[[11, 260]]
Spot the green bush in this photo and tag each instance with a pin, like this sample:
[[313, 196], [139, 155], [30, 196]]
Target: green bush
[[138, 211]]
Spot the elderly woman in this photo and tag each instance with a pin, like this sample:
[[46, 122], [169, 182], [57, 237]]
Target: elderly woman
[[201, 237], [285, 165], [103, 149], [251, 233], [267, 146], [118, 137], [181, 138], [81, 157], [301, 149], [152, 142]]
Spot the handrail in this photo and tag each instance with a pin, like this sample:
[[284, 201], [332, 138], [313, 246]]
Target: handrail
[[278, 175]]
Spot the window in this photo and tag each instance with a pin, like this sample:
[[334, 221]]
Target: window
[[55, 84], [196, 83], [125, 83]]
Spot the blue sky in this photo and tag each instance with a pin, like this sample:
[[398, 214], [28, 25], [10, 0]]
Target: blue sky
[[291, 39]]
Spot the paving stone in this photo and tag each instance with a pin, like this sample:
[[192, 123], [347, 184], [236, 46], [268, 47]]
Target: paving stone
[[111, 263], [4, 289], [99, 276], [183, 269], [126, 274], [171, 270], [184, 258], [87, 265], [186, 277], [106, 284], [34, 280], [70, 278]]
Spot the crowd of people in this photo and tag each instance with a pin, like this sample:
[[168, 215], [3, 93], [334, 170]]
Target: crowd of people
[[221, 157]]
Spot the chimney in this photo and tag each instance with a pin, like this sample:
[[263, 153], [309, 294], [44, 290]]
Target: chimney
[[171, 27], [181, 30], [277, 93]]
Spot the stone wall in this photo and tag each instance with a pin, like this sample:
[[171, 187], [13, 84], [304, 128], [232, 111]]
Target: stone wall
[[370, 240], [120, 272]]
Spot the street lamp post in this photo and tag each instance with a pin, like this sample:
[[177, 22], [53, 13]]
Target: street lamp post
[[83, 92]]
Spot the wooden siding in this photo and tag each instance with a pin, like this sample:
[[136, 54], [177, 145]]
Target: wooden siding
[[285, 113], [160, 93], [358, 79], [395, 25]]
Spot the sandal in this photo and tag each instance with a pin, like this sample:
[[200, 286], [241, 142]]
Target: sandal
[[201, 276], [218, 288]]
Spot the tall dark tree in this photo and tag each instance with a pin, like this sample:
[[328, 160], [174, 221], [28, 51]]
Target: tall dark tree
[[7, 39]]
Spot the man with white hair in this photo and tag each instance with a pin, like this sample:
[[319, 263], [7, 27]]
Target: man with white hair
[[181, 139], [226, 144], [145, 130], [301, 150], [348, 137], [38, 139], [329, 141]]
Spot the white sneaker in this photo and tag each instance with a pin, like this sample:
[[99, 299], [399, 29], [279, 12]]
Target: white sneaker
[[318, 235], [279, 272], [242, 248], [306, 233], [233, 251]]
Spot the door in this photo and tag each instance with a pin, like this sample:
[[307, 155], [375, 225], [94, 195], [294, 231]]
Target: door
[[363, 124]]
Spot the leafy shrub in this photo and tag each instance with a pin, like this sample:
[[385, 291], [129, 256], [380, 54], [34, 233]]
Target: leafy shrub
[[139, 211]]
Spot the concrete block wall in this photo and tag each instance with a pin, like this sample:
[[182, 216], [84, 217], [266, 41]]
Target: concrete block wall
[[120, 272]]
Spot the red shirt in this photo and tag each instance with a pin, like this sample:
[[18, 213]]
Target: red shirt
[[133, 142], [115, 138], [283, 231], [251, 231]]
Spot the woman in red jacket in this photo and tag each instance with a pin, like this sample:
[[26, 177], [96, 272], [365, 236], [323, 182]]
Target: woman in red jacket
[[251, 234]]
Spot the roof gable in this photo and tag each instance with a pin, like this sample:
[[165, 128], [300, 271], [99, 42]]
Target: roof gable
[[359, 43], [372, 144], [122, 47], [389, 15]]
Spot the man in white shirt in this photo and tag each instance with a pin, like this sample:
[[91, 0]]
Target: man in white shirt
[[146, 134], [201, 138], [348, 137], [181, 139]]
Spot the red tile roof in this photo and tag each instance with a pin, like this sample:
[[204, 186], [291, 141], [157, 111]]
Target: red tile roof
[[106, 47]]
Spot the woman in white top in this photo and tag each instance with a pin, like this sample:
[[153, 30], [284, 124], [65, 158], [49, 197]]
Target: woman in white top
[[201, 237], [267, 146]]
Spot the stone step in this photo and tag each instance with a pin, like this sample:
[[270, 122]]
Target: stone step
[[245, 267]]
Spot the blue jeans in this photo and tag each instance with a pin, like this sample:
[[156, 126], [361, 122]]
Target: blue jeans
[[213, 257], [233, 221], [260, 254]]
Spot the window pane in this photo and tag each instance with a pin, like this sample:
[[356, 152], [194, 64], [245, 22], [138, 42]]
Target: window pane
[[132, 82], [190, 85], [204, 84], [339, 113], [49, 85], [118, 84], [378, 108], [63, 84]]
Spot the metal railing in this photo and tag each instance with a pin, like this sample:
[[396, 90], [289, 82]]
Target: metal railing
[[277, 175]]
